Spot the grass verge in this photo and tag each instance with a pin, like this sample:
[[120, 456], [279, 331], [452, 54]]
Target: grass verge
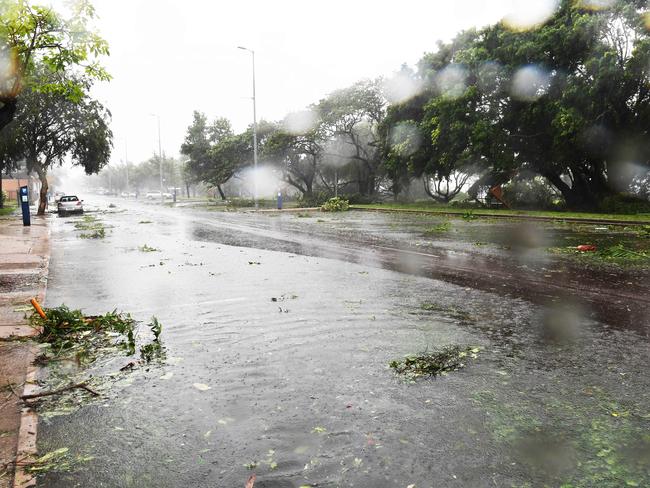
[[442, 209]]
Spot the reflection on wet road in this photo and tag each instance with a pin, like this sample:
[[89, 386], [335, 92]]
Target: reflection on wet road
[[299, 388]]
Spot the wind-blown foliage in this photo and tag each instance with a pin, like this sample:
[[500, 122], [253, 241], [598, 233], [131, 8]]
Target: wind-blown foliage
[[569, 101], [49, 128], [34, 35]]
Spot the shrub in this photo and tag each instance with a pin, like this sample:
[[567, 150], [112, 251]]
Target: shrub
[[335, 204], [531, 193], [357, 198], [625, 203]]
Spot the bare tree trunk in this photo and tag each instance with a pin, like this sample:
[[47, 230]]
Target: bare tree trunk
[[42, 202], [187, 189], [223, 195]]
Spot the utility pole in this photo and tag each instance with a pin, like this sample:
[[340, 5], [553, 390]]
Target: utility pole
[[160, 160], [254, 129], [126, 161]]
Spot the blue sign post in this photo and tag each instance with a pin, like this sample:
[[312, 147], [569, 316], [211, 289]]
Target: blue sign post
[[24, 203]]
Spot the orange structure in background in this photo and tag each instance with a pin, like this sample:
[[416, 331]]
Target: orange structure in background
[[497, 192]]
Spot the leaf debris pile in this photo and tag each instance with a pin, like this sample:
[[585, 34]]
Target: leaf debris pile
[[449, 358], [69, 333], [91, 227]]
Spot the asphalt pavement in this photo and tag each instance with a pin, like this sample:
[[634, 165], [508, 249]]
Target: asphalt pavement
[[279, 329]]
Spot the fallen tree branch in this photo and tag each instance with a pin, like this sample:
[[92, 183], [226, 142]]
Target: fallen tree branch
[[82, 385]]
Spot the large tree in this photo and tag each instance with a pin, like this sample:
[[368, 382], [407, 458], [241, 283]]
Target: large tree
[[210, 151], [52, 128], [569, 100], [353, 115], [296, 147], [33, 35]]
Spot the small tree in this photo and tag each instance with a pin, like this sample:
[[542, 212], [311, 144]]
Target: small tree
[[206, 160]]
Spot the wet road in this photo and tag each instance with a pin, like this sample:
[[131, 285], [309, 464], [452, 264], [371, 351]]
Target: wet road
[[299, 388]]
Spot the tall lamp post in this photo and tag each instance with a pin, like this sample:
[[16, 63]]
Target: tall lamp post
[[160, 159], [126, 161], [254, 128]]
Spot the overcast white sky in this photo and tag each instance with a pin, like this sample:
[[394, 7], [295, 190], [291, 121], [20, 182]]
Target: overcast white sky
[[171, 57]]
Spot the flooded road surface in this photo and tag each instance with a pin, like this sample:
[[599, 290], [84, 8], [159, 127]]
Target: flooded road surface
[[278, 332]]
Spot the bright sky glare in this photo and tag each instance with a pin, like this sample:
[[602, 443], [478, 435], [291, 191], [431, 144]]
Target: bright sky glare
[[170, 57]]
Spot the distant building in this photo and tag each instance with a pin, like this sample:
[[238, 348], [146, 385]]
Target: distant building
[[11, 185]]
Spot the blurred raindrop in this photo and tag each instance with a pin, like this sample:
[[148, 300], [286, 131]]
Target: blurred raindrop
[[637, 453], [548, 452], [562, 322], [300, 122], [338, 152], [621, 173], [7, 69], [527, 237], [401, 87], [529, 14], [489, 77], [452, 81], [530, 83], [596, 140], [405, 138]]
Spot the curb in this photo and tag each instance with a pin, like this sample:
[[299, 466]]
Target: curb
[[26, 446]]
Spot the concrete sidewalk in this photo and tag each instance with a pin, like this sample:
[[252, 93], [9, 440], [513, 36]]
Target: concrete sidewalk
[[24, 260]]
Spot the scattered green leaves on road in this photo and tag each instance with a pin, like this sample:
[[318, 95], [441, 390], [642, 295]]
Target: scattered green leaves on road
[[147, 248], [449, 358], [91, 227], [443, 227]]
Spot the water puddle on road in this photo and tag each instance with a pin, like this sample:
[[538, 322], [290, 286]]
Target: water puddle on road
[[281, 368]]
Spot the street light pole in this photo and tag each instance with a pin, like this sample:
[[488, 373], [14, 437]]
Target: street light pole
[[160, 160], [126, 160], [254, 128]]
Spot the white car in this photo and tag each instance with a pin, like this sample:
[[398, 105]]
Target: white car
[[155, 195], [69, 204]]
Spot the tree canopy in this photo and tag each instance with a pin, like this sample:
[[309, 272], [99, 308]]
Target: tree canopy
[[49, 129], [33, 35], [569, 101], [565, 103]]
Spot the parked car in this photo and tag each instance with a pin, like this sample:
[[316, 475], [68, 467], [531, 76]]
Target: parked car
[[155, 195], [69, 204]]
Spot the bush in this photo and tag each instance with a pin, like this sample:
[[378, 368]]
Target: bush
[[624, 203], [3, 196], [335, 205], [357, 198], [531, 193], [241, 202], [465, 204]]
